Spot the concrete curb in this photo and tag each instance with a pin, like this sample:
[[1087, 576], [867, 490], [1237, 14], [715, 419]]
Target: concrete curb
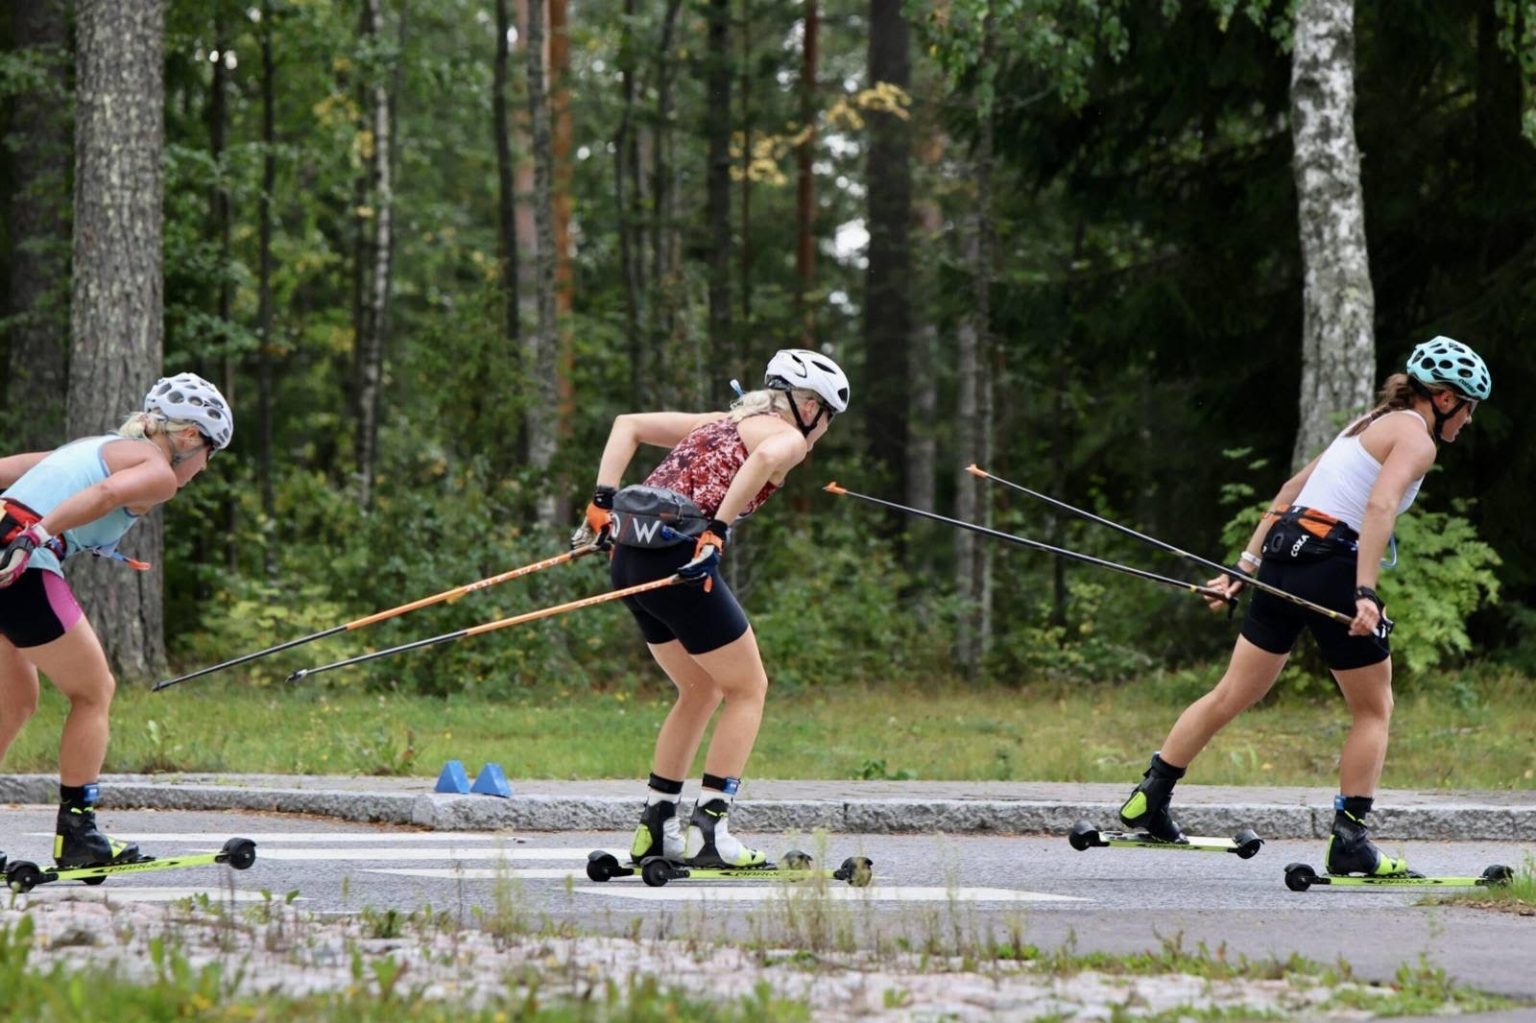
[[1449, 817]]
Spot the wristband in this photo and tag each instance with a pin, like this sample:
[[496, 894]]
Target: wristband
[[1249, 558], [720, 529], [1366, 593], [603, 497]]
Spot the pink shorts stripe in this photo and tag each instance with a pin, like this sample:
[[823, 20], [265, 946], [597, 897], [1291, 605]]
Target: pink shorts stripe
[[61, 600]]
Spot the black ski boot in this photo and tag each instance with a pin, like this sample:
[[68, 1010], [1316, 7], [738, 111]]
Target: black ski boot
[[710, 842], [1148, 806], [1350, 850], [79, 843], [660, 833]]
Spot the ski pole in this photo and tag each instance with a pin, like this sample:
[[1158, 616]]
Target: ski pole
[[501, 623], [1024, 541], [1243, 577], [379, 616]]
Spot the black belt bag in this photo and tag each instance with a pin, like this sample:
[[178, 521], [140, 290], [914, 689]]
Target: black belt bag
[[655, 517], [1302, 535]]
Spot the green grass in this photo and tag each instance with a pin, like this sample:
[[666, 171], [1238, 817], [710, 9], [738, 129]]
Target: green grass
[[1045, 733]]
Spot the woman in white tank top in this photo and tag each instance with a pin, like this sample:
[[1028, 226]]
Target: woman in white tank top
[[1323, 539]]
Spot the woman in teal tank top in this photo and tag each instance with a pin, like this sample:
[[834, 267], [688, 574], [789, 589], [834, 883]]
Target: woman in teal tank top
[[80, 499]]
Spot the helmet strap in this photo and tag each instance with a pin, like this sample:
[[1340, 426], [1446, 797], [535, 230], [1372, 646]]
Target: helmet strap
[[1441, 418]]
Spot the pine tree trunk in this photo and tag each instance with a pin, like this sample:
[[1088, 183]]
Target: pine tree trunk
[[264, 313], [543, 397], [118, 298], [888, 275], [717, 206], [1338, 305], [805, 187], [38, 299], [506, 192], [626, 201]]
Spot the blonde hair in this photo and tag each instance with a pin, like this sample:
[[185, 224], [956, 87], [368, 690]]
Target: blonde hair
[[1397, 392], [144, 425], [757, 403]]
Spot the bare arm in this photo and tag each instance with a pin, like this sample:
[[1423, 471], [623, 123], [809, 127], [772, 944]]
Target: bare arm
[[14, 467], [1284, 498], [144, 478], [1410, 455], [772, 457], [661, 429]]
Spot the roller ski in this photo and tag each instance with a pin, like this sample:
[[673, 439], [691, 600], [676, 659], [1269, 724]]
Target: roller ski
[[1299, 877], [1084, 836], [21, 876], [657, 871]]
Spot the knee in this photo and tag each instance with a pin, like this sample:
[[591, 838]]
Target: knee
[[97, 696], [1375, 707], [753, 686]]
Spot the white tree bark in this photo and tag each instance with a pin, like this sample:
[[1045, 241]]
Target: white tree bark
[[1338, 345]]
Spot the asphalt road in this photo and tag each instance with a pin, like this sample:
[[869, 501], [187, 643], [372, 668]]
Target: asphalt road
[[925, 887]]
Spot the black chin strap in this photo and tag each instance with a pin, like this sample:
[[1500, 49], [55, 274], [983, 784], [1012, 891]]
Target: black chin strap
[[1441, 418]]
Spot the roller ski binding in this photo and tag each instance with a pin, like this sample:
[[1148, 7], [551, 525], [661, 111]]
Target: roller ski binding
[[1350, 849], [1299, 877], [1083, 836], [1147, 807], [657, 871], [22, 876]]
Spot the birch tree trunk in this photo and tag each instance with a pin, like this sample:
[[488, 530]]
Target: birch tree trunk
[[118, 300], [542, 413], [38, 299], [1338, 305], [377, 254]]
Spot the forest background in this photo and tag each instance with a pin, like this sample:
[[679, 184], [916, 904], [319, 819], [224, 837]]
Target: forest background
[[430, 249]]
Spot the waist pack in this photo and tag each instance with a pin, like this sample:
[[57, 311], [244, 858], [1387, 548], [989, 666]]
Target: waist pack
[[17, 517], [655, 517], [1304, 534]]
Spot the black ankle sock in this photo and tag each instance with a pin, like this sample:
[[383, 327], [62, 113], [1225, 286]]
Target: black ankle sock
[[77, 797], [667, 786], [1160, 768], [1355, 806]]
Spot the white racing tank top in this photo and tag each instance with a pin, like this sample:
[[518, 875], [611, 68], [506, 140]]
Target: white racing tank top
[[1341, 483]]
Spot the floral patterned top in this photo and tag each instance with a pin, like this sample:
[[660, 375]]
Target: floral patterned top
[[703, 465]]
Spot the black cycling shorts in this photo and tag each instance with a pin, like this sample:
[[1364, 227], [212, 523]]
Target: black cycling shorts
[[1274, 624], [38, 608], [700, 621]]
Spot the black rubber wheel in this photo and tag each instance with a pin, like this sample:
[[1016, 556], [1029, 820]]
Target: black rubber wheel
[[858, 871], [1248, 844], [1083, 836], [797, 860], [23, 876], [1498, 874], [1299, 877], [656, 872], [601, 866], [240, 853], [94, 881]]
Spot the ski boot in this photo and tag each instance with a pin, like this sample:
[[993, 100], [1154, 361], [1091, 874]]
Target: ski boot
[[79, 843], [710, 842], [1350, 850], [1147, 808], [659, 833]]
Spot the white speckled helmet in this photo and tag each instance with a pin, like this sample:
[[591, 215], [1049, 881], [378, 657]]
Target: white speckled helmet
[[189, 397], [795, 369], [1442, 362]]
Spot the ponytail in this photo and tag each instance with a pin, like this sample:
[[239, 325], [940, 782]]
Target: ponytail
[[1397, 392]]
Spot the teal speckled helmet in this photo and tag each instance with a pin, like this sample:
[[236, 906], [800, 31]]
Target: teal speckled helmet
[[1442, 362]]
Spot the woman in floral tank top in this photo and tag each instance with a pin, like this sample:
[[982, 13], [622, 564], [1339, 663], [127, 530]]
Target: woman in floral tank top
[[725, 464]]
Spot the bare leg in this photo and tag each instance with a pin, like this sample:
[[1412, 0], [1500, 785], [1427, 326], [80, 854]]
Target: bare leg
[[697, 698], [1368, 694], [18, 694], [1250, 674], [738, 672], [76, 665]]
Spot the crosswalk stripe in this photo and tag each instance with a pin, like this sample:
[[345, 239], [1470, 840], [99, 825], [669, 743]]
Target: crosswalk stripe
[[485, 874], [380, 855], [141, 893], [682, 891], [310, 837]]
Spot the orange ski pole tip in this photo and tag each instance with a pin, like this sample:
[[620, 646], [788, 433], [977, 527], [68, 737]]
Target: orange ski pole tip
[[833, 488]]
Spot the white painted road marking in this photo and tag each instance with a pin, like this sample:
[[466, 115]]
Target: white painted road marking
[[715, 891], [80, 893], [311, 837], [484, 874], [380, 855]]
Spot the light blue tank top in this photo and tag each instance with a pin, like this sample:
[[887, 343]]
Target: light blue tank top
[[72, 468]]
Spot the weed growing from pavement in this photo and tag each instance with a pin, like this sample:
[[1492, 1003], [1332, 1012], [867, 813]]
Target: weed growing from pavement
[[1518, 897]]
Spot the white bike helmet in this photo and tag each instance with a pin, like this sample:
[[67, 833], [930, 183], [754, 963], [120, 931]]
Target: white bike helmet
[[189, 397], [1442, 362], [794, 369]]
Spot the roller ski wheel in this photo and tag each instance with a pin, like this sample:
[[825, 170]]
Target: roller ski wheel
[[858, 871], [604, 866], [1299, 877], [1084, 836], [22, 876]]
